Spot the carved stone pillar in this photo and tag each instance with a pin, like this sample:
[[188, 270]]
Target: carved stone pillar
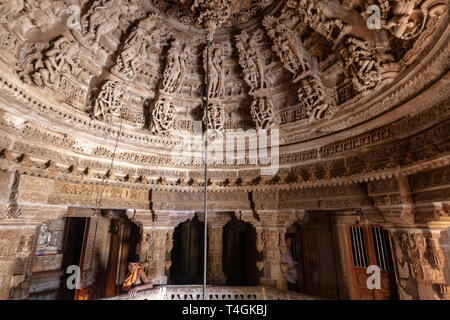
[[420, 263], [157, 241], [215, 245], [16, 246], [270, 228], [19, 223], [272, 275], [216, 222], [169, 247], [153, 252]]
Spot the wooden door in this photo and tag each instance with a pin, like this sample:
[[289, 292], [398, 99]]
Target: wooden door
[[321, 277], [369, 245], [112, 275], [125, 235]]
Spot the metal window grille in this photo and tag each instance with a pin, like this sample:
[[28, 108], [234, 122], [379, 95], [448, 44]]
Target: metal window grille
[[358, 247], [382, 248]]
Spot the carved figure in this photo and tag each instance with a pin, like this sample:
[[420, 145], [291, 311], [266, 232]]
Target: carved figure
[[110, 100], [163, 116]]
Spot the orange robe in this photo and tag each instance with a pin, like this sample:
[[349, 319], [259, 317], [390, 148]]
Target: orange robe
[[130, 279]]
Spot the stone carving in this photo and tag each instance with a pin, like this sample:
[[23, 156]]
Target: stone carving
[[288, 46], [163, 116], [212, 14], [110, 100], [163, 113], [318, 16], [363, 63], [241, 11], [312, 94], [22, 15], [419, 257], [251, 60], [216, 64], [175, 72], [104, 17], [44, 241], [406, 19], [216, 85], [59, 59], [216, 116], [153, 254], [137, 47], [252, 64], [303, 66], [263, 114]]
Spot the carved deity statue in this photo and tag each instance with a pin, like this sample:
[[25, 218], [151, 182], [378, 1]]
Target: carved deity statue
[[263, 114], [216, 65], [175, 72], [319, 17], [407, 19], [251, 61], [311, 93], [363, 62], [45, 239], [44, 236]]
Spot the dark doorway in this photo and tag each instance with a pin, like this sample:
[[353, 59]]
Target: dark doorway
[[187, 253], [239, 254], [100, 246], [73, 246], [295, 233]]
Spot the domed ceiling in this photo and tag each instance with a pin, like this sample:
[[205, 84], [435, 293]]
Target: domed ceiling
[[122, 80]]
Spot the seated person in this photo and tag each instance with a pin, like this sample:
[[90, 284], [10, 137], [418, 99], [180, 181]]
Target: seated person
[[288, 265], [136, 279]]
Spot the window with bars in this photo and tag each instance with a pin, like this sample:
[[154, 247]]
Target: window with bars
[[382, 248], [358, 247]]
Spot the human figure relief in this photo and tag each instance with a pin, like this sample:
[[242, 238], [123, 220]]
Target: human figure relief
[[110, 100], [251, 61], [318, 15], [163, 116], [263, 114], [136, 47], [288, 47], [252, 64], [312, 94], [59, 59], [363, 63], [104, 18], [175, 72], [10, 9], [407, 20], [216, 85]]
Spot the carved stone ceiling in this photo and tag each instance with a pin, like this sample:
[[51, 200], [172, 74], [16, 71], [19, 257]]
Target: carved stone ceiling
[[238, 11], [310, 68]]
